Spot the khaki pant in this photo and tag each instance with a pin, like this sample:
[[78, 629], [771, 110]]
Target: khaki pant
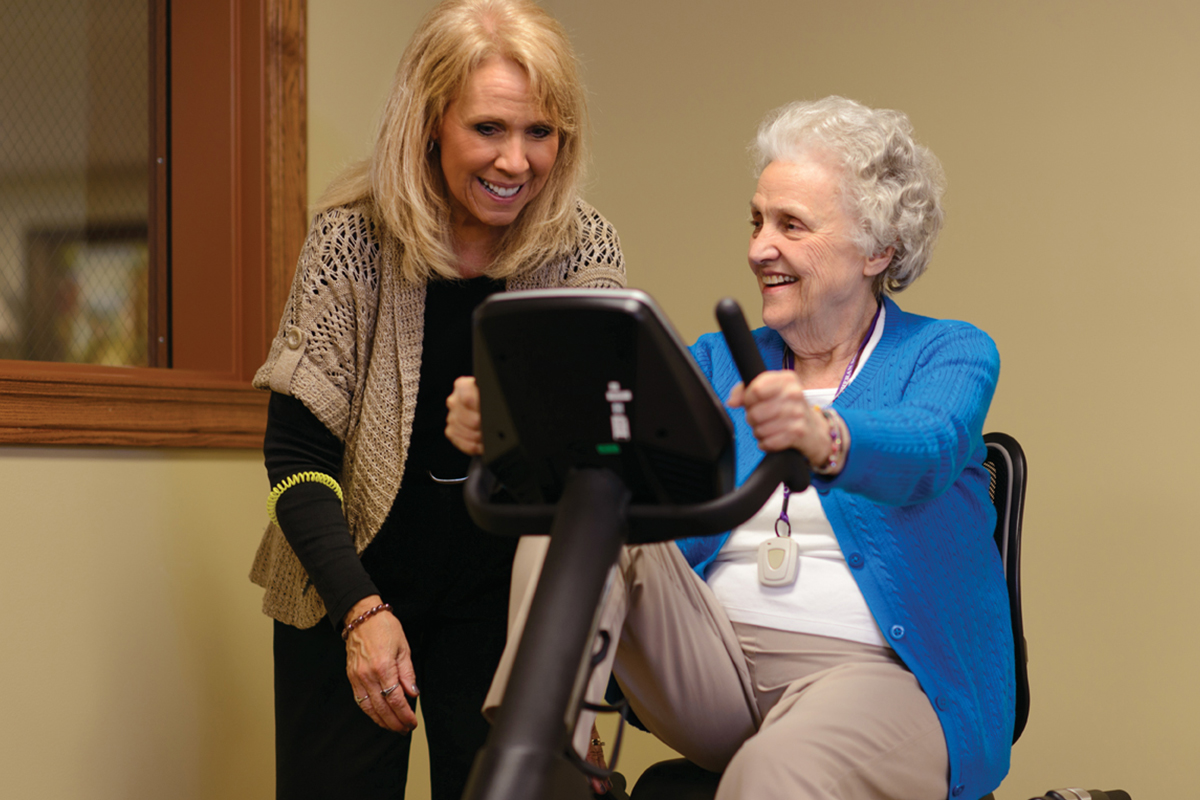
[[784, 715]]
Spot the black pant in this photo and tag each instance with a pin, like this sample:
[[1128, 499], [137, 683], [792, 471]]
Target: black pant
[[448, 583]]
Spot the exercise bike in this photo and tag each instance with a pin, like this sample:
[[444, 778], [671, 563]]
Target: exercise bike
[[600, 430]]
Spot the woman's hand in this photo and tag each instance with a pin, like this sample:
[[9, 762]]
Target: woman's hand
[[378, 659], [463, 423], [781, 418]]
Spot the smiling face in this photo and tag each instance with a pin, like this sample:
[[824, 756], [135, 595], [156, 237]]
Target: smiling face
[[815, 282], [497, 150]]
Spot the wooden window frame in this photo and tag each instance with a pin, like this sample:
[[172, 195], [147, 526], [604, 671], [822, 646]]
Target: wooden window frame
[[238, 208]]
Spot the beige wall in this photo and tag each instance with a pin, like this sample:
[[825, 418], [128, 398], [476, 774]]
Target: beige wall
[[136, 664]]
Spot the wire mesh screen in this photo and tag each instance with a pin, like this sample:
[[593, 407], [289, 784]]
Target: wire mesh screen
[[74, 180]]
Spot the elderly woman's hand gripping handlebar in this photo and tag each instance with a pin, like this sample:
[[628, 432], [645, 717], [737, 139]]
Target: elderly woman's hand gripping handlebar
[[782, 419], [774, 401]]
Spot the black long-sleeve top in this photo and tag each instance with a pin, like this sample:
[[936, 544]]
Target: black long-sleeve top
[[310, 514]]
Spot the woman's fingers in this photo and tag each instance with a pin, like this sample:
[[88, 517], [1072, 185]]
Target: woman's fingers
[[402, 688], [391, 706], [769, 387], [779, 414], [463, 421], [362, 696], [371, 699], [774, 403]]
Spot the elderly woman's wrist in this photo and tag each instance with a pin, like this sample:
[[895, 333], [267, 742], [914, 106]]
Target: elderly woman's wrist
[[838, 442]]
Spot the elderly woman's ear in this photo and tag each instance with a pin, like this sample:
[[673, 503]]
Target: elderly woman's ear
[[879, 262]]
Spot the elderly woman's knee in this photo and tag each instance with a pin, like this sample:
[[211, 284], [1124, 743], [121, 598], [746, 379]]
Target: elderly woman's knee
[[763, 768]]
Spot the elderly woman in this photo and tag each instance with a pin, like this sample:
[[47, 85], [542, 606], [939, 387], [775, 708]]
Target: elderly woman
[[378, 581], [853, 640]]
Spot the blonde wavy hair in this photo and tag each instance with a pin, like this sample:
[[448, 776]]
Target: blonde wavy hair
[[402, 180], [894, 185]]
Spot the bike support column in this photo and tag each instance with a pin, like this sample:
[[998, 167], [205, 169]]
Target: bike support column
[[530, 734]]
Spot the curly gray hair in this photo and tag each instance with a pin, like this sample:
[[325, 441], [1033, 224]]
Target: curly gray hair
[[894, 185]]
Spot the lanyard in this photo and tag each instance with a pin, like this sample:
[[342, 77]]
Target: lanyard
[[783, 527]]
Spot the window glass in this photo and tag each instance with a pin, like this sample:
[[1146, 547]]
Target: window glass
[[75, 275]]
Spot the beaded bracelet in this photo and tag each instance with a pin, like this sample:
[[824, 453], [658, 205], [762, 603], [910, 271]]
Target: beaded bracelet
[[835, 442], [363, 617]]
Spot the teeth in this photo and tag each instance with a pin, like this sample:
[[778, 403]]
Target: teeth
[[499, 191], [777, 280]]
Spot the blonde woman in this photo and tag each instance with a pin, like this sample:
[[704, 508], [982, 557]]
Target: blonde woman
[[378, 581]]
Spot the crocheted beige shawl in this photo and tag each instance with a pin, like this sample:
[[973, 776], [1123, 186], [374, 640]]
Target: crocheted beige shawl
[[349, 336]]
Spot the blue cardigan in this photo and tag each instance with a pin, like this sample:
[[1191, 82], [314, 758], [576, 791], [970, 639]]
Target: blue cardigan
[[911, 512]]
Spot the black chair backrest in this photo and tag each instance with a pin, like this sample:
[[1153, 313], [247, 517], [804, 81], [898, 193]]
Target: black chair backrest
[[1006, 462]]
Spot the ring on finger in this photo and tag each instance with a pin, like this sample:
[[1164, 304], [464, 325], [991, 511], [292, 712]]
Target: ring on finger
[[363, 699], [389, 690]]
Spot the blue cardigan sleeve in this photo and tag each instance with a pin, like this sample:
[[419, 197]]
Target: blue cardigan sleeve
[[916, 424]]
